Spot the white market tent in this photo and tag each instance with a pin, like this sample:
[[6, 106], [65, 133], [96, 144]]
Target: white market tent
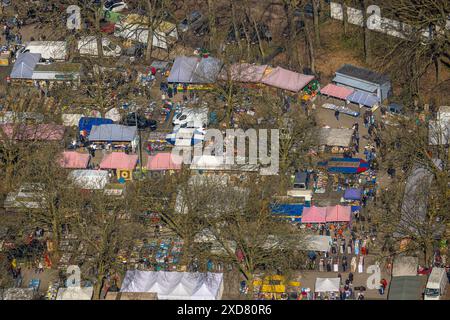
[[327, 284], [113, 114], [175, 285], [71, 119], [335, 137], [75, 293], [316, 243], [405, 266], [90, 179]]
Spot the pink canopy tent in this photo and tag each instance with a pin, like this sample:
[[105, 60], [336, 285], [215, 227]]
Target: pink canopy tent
[[244, 72], [286, 79], [335, 91], [41, 132], [119, 160], [314, 214], [74, 160], [338, 213], [164, 161]]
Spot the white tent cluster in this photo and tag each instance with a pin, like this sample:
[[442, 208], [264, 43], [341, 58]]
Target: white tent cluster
[[175, 285]]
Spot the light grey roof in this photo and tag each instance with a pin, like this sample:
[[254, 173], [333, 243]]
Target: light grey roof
[[24, 66], [194, 70], [112, 132], [363, 74], [405, 288]]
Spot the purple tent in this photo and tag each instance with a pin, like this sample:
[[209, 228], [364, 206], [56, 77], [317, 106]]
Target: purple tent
[[353, 194]]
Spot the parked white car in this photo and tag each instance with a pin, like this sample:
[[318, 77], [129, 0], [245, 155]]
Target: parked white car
[[115, 6]]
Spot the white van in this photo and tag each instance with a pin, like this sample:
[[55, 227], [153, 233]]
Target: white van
[[56, 50], [437, 282], [87, 46]]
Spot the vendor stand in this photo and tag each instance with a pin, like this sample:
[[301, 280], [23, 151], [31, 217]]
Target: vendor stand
[[123, 164], [156, 142], [327, 288]]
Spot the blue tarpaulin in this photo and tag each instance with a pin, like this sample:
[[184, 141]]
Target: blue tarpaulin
[[363, 98], [289, 211], [353, 194], [347, 165]]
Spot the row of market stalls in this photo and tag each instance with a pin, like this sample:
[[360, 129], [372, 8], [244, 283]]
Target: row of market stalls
[[358, 85], [296, 212], [175, 285], [200, 73], [121, 163]]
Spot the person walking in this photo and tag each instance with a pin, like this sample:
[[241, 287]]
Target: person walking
[[350, 277], [366, 122], [336, 114]]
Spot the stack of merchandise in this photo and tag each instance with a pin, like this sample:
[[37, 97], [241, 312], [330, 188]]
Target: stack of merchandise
[[52, 291], [64, 262], [175, 252], [322, 182]]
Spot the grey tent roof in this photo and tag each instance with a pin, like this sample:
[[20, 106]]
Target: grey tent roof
[[363, 74], [405, 288], [24, 66], [112, 132], [405, 266], [194, 70]]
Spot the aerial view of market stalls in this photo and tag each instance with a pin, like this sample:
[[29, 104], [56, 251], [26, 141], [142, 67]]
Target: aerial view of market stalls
[[94, 179]]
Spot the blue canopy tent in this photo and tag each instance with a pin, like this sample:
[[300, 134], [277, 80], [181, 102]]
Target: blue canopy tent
[[363, 98], [112, 132], [353, 194], [291, 211], [347, 165]]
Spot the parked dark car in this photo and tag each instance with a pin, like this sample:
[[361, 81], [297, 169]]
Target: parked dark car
[[142, 122]]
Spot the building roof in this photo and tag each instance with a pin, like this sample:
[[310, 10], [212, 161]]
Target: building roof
[[286, 79], [119, 160], [363, 74], [335, 91], [74, 160], [24, 66]]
